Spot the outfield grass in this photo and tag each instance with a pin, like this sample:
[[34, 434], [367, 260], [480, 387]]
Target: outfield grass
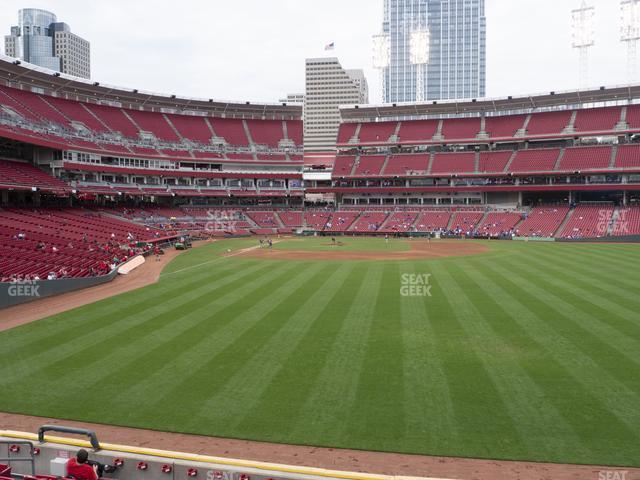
[[530, 351]]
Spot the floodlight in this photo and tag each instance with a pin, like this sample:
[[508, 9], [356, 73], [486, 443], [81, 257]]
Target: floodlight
[[419, 45], [381, 51], [583, 20], [630, 29]]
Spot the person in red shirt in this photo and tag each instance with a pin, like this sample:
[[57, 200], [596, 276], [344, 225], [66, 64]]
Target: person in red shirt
[[78, 468]]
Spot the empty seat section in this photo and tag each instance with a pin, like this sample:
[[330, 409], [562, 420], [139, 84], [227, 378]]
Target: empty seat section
[[369, 222], [377, 132], [7, 100], [316, 220], [633, 116], [547, 123], [114, 119], [191, 127], [417, 130], [588, 221], [370, 165], [155, 123], [504, 126], [75, 111], [400, 165], [343, 166], [291, 219], [628, 156], [542, 221], [400, 222], [346, 132], [627, 222], [585, 158], [461, 128], [432, 221], [294, 131], [597, 119], [493, 162], [37, 105], [264, 219], [340, 221], [497, 224], [231, 129], [541, 160], [20, 174], [465, 222], [453, 163], [266, 132]]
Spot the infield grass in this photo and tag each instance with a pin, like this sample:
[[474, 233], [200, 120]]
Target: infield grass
[[530, 352]]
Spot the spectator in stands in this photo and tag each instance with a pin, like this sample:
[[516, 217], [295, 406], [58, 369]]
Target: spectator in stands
[[81, 468]]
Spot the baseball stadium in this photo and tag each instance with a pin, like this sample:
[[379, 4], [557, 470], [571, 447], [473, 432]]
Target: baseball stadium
[[453, 293]]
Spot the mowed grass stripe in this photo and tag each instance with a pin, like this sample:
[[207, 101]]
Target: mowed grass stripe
[[500, 384], [378, 404], [599, 406], [575, 332], [51, 332], [428, 404], [89, 343], [280, 332], [278, 414], [549, 423], [325, 414], [219, 352], [570, 300], [144, 345], [593, 277]]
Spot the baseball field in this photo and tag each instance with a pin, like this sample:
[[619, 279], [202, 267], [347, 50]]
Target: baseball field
[[503, 350]]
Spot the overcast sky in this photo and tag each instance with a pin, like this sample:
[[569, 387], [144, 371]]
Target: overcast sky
[[255, 49]]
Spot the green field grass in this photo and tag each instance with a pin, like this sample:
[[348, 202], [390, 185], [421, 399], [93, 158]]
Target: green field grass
[[530, 351]]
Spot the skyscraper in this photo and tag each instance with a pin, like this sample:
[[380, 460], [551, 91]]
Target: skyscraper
[[432, 50], [40, 39], [328, 86]]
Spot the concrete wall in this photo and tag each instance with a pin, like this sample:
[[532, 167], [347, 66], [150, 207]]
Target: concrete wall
[[17, 293]]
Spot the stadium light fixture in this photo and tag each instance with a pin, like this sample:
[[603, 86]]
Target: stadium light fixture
[[419, 48], [583, 37], [381, 51], [630, 34]]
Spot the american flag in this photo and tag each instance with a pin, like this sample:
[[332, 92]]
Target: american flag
[[330, 46]]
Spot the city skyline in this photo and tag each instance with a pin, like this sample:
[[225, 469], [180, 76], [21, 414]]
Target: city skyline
[[528, 46], [40, 39]]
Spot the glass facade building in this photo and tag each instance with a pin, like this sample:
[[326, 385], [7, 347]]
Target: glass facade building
[[41, 40], [456, 53]]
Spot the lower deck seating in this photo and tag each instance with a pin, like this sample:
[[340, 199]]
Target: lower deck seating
[[400, 222], [588, 221], [432, 221], [464, 223], [369, 222], [35, 244], [340, 221], [498, 224], [542, 222]]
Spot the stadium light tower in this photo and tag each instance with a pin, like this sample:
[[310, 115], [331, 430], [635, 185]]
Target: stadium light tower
[[630, 34], [583, 37], [419, 46], [382, 57]]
